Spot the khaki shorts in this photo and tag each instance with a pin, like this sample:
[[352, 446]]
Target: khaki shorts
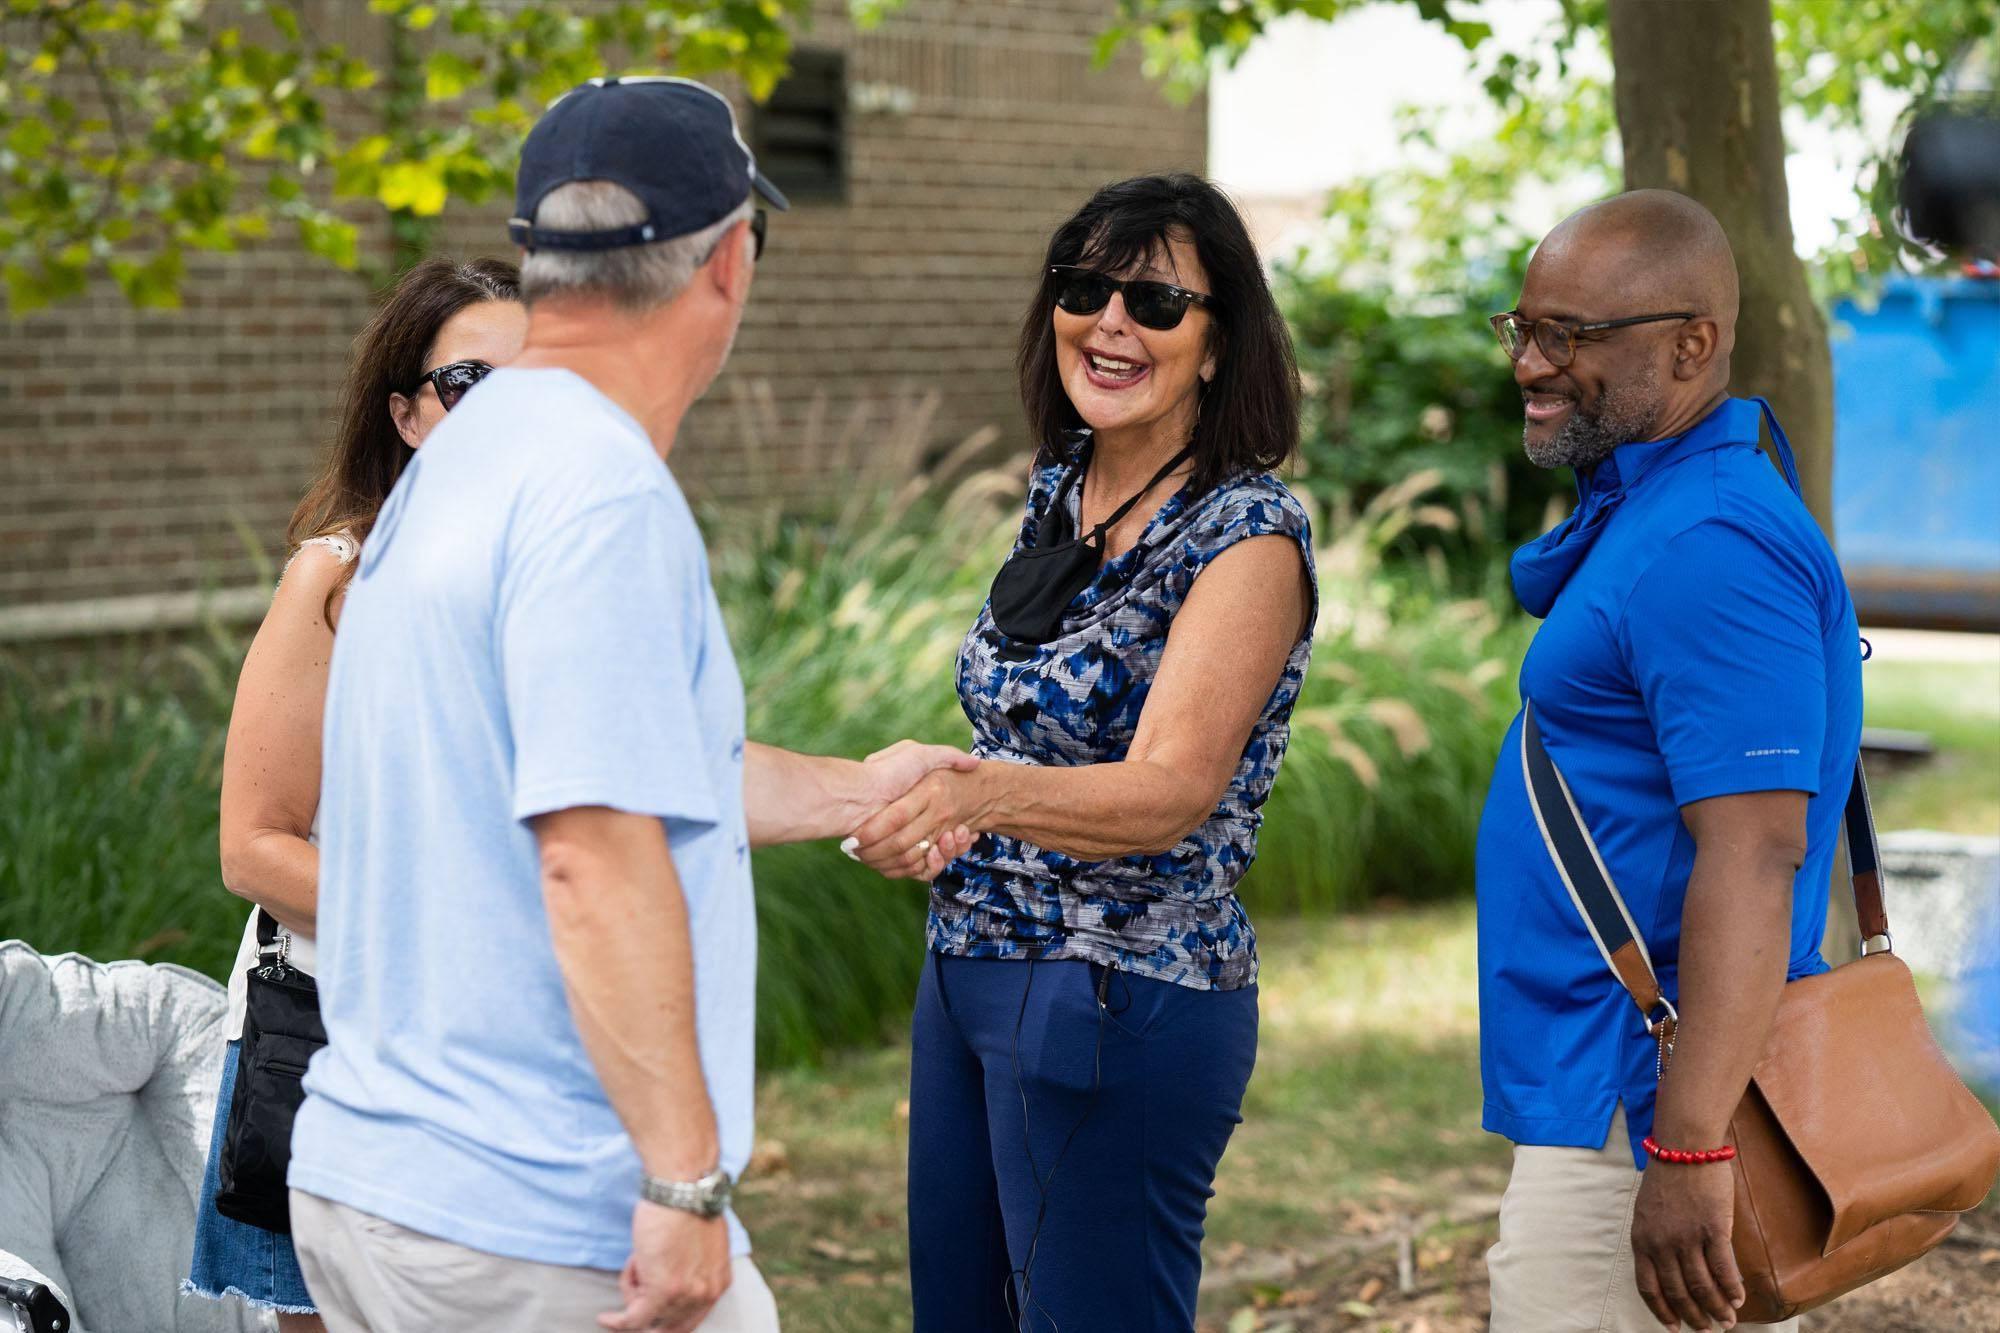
[[371, 1276], [1564, 1260]]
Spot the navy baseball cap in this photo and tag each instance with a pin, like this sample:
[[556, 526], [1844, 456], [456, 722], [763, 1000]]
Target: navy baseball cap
[[672, 142]]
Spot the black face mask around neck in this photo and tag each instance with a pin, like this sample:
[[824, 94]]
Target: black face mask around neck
[[1038, 583]]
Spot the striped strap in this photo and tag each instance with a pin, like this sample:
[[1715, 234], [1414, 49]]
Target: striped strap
[[1602, 907], [1584, 874], [1864, 862]]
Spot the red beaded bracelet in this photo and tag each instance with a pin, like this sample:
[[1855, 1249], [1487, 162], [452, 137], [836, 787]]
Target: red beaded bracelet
[[1690, 1157]]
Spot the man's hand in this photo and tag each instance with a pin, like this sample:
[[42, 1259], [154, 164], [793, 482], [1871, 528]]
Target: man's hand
[[1735, 939], [678, 1270], [892, 775], [790, 797], [892, 772], [1681, 1225]]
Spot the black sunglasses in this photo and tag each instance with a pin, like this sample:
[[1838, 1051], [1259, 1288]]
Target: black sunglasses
[[452, 381], [1155, 305], [1557, 337]]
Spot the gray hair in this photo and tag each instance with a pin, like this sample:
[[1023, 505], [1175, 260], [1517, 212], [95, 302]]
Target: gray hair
[[636, 277]]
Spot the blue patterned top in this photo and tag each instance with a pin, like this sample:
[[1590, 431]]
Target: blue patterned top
[[1076, 700]]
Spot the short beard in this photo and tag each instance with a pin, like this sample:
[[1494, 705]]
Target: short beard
[[1622, 415]]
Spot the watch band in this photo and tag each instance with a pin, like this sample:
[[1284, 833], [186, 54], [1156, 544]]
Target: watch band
[[706, 1197]]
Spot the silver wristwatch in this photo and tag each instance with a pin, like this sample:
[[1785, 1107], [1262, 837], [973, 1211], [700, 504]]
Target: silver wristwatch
[[706, 1197]]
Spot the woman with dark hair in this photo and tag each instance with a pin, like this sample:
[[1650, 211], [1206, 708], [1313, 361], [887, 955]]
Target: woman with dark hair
[[441, 330], [1087, 1017]]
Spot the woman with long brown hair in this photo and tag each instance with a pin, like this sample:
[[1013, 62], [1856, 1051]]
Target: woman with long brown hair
[[443, 327]]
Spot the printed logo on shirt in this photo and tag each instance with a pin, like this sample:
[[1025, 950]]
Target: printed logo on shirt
[[1762, 754]]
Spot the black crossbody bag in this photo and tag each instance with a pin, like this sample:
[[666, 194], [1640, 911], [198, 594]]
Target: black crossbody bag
[[281, 1030]]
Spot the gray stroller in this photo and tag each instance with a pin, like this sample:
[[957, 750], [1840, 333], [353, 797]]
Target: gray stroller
[[108, 1076]]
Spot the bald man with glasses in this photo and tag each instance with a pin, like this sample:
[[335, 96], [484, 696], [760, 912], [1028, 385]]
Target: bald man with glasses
[[1696, 682]]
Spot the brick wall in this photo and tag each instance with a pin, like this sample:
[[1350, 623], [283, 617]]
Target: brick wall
[[161, 451]]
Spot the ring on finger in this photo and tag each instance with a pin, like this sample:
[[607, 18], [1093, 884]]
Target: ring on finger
[[923, 844]]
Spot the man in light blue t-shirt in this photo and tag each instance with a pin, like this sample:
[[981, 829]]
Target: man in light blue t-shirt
[[537, 938]]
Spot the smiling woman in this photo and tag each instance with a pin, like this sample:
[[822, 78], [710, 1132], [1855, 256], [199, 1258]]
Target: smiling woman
[[1130, 684], [1193, 306]]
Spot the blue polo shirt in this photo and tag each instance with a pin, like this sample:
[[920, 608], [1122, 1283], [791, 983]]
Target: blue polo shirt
[[1698, 641]]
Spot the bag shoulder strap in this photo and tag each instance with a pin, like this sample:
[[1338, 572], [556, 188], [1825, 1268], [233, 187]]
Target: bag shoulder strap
[[1864, 863], [1602, 907], [272, 938]]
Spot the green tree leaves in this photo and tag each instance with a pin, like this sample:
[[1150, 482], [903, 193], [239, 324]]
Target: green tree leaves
[[1179, 38], [134, 131], [416, 186], [447, 74], [1557, 121]]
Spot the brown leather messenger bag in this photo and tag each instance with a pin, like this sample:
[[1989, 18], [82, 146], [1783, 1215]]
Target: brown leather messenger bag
[[1857, 1146]]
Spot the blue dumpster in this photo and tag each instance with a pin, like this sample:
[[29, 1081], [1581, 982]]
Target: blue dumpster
[[1916, 458]]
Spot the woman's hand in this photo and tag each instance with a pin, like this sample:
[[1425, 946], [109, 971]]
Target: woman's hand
[[929, 827]]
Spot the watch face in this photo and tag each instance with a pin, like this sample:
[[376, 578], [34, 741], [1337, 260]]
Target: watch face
[[707, 1197]]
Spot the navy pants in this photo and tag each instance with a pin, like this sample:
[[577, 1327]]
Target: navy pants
[[1107, 1138]]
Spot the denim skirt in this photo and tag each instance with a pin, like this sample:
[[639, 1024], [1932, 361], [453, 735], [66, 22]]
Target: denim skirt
[[235, 1259]]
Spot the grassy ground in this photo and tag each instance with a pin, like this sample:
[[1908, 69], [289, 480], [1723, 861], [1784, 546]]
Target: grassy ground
[[1950, 691], [1361, 1128], [1362, 1121], [1364, 1110]]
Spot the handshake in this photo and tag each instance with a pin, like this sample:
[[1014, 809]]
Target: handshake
[[928, 803]]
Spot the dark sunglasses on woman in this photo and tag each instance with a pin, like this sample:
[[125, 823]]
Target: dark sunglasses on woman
[[1153, 305], [452, 381]]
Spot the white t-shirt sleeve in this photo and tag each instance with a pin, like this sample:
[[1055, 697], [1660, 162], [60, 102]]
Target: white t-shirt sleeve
[[600, 625]]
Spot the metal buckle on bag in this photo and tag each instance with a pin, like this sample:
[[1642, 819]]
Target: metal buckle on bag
[[30, 1307], [282, 949], [1664, 1029], [1888, 945]]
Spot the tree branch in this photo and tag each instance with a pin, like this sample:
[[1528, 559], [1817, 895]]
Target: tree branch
[[114, 114]]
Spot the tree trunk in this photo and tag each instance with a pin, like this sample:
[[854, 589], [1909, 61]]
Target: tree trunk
[[1696, 83]]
